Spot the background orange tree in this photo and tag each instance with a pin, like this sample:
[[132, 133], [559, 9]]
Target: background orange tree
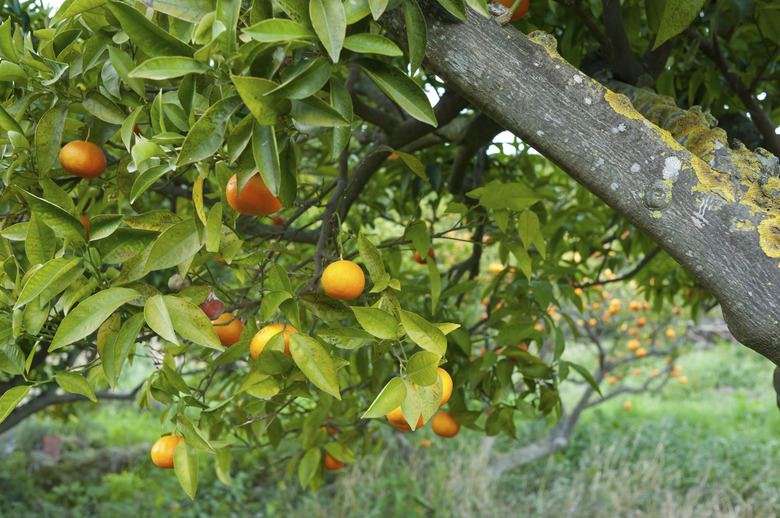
[[336, 118]]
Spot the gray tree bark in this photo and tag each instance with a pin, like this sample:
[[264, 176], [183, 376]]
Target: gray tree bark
[[716, 211]]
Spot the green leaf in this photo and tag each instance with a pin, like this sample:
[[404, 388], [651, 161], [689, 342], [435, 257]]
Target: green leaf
[[298, 10], [150, 37], [377, 8], [275, 30], [222, 465], [390, 398], [63, 223], [271, 302], [417, 232], [48, 137], [316, 112], [422, 368], [315, 363], [266, 154], [103, 108], [342, 103], [174, 246], [228, 12], [371, 258], [309, 465], [89, 314], [115, 353], [7, 122], [324, 307], [330, 23], [416, 33], [44, 277], [345, 337], [158, 319], [192, 323], [372, 44], [455, 7], [678, 15], [528, 227], [11, 398], [400, 88], [423, 333], [168, 68], [524, 261], [340, 452], [189, 10], [585, 374], [411, 408], [377, 321], [185, 464], [75, 384], [193, 435], [306, 82], [206, 136], [265, 108], [146, 179], [7, 48], [435, 277], [768, 20], [512, 196], [214, 228]]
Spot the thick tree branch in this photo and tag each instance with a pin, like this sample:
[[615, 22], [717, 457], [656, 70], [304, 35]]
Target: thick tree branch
[[624, 64], [713, 210]]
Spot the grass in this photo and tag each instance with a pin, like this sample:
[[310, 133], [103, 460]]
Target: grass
[[707, 448]]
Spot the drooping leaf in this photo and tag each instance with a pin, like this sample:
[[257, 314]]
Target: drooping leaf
[[678, 15], [206, 136], [89, 314], [400, 88], [390, 398], [330, 23], [166, 67], [75, 384], [150, 37], [315, 362]]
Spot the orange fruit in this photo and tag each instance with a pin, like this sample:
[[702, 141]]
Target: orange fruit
[[254, 200], [419, 259], [85, 221], [343, 280], [398, 420], [266, 333], [83, 159], [332, 463], [670, 333], [230, 333], [162, 450], [425, 443], [634, 305], [444, 425], [446, 386], [641, 322], [641, 352], [683, 379], [627, 405]]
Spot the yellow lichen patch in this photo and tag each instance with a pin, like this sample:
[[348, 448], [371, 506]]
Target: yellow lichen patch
[[622, 105], [769, 236], [547, 41], [742, 225], [757, 199], [713, 181], [701, 140]]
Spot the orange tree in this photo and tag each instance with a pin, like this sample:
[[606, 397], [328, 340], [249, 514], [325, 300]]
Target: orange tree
[[216, 116]]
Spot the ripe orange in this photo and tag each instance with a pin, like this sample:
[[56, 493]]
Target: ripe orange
[[83, 159], [397, 419], [683, 379], [266, 333], [255, 198], [627, 405], [633, 344], [641, 352], [162, 450], [634, 305], [670, 333], [343, 280], [332, 463], [444, 425], [230, 333], [85, 221], [425, 443], [419, 259], [641, 322], [446, 386]]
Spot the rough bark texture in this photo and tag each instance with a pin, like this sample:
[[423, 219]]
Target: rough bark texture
[[719, 220]]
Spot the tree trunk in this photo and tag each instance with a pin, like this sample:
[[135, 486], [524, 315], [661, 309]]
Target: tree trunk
[[717, 214]]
